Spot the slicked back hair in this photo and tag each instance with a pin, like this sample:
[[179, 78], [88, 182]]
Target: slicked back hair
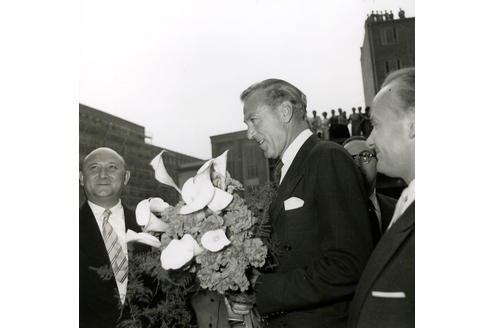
[[405, 87], [277, 91]]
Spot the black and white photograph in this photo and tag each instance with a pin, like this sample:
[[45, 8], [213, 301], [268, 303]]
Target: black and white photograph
[[247, 164]]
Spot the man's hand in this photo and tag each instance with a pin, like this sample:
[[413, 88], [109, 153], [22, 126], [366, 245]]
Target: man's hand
[[241, 303]]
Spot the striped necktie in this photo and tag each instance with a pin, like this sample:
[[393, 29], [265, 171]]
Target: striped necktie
[[115, 252]]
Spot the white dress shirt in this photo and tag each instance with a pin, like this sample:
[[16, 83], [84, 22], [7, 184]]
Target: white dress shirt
[[117, 222], [291, 151], [405, 199]]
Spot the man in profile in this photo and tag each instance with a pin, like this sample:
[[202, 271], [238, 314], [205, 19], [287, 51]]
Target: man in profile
[[319, 216], [103, 222], [385, 294]]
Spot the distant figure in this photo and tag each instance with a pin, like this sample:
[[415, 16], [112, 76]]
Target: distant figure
[[316, 124], [334, 122], [355, 119], [366, 126], [380, 16], [391, 15], [325, 126], [342, 131], [402, 14]]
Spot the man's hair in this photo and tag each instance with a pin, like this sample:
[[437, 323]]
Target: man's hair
[[277, 91], [103, 148], [405, 86], [346, 141]]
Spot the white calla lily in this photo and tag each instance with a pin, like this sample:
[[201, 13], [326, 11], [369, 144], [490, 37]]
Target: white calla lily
[[147, 219], [220, 164], [214, 240], [179, 252], [158, 205], [197, 192], [142, 237], [191, 241], [221, 199], [161, 174]]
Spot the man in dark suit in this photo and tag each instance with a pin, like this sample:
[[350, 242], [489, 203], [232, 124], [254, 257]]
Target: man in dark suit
[[319, 216], [385, 293], [380, 207], [101, 301]]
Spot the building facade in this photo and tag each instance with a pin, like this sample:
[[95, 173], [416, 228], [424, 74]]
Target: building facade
[[388, 45], [99, 129], [245, 161]]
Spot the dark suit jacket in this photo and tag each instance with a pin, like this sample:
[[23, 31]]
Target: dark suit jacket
[[326, 242], [390, 269], [99, 303]]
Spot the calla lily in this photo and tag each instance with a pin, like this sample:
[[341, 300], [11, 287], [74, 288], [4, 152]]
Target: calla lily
[[147, 219], [142, 237], [214, 240], [161, 173], [158, 205], [179, 252], [221, 199], [220, 166], [199, 191]]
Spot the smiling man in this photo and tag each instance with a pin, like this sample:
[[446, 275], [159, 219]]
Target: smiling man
[[385, 293], [319, 217], [103, 222]]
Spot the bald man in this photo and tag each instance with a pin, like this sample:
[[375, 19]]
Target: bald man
[[103, 177]]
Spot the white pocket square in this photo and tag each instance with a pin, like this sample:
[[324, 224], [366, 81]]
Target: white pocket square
[[388, 294], [293, 203]]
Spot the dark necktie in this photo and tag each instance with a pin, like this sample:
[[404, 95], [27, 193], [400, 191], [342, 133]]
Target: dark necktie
[[277, 172], [375, 225]]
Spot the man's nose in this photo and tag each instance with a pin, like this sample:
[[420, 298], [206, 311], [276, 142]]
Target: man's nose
[[250, 133], [102, 173]]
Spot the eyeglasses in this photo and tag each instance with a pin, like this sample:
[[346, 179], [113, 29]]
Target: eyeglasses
[[363, 157]]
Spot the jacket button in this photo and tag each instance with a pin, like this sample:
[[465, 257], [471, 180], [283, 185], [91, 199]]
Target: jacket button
[[287, 248]]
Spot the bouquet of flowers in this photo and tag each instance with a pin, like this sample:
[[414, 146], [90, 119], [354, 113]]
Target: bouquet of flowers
[[210, 233]]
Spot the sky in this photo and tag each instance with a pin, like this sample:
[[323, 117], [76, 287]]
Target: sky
[[178, 67]]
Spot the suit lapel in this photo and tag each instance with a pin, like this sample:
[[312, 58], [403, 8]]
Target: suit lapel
[[385, 250], [94, 245], [292, 177]]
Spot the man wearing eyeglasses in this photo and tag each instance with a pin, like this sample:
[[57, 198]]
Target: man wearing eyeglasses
[[380, 207], [385, 294]]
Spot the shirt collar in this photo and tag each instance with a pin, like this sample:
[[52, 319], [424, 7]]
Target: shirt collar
[[409, 192], [291, 151], [98, 210]]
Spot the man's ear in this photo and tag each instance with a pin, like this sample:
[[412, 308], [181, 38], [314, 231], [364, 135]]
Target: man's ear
[[81, 179], [285, 111], [127, 177]]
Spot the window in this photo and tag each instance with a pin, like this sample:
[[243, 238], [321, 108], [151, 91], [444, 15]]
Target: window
[[387, 67], [399, 64], [389, 35]]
